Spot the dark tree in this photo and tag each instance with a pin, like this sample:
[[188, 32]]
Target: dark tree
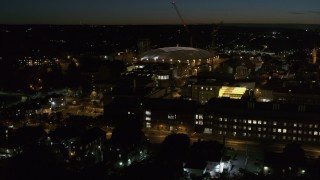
[[294, 155], [73, 75], [173, 153], [206, 150], [128, 133]]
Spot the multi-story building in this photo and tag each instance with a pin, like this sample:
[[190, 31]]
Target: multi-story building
[[88, 144], [251, 120], [38, 61], [78, 144], [241, 119], [204, 91], [169, 115]]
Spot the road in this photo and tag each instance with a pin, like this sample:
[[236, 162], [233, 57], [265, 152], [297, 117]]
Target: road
[[156, 136]]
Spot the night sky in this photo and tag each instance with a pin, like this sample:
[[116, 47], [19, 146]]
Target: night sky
[[113, 12]]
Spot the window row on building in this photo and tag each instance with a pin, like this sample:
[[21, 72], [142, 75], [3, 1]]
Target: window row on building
[[239, 121]]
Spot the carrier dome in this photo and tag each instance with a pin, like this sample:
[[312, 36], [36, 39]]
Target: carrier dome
[[176, 53]]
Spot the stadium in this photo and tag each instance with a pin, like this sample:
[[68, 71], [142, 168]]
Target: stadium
[[177, 55]]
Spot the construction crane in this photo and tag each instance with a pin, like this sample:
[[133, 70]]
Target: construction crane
[[183, 23], [214, 34]]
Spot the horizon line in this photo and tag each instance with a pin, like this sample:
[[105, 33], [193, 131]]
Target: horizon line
[[157, 24]]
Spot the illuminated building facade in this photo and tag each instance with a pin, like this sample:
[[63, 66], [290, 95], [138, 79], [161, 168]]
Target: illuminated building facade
[[169, 115], [38, 62], [239, 119], [239, 68], [270, 121], [204, 92]]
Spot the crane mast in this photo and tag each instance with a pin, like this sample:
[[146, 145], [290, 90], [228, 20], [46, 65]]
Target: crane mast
[[214, 34], [183, 23]]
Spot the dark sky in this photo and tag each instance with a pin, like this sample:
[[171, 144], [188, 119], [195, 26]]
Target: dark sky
[[158, 11]]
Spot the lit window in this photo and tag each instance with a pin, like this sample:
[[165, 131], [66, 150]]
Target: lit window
[[274, 130], [235, 120], [254, 122], [299, 132], [148, 125], [244, 134], [207, 130], [279, 130], [315, 133], [249, 121], [264, 122], [172, 116], [220, 119], [249, 128], [293, 138], [200, 122], [294, 124], [225, 119], [220, 132], [148, 118], [259, 129], [234, 127], [148, 113], [284, 130], [294, 131], [199, 116], [310, 125], [310, 132], [234, 133], [274, 123], [284, 124], [315, 126], [244, 121]]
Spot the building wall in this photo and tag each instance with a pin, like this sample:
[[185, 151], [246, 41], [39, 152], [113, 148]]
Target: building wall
[[202, 93], [247, 121], [262, 129], [175, 121]]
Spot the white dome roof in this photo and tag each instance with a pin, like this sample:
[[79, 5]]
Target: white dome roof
[[176, 53]]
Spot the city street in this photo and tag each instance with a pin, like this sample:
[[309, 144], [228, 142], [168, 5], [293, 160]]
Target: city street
[[246, 155]]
